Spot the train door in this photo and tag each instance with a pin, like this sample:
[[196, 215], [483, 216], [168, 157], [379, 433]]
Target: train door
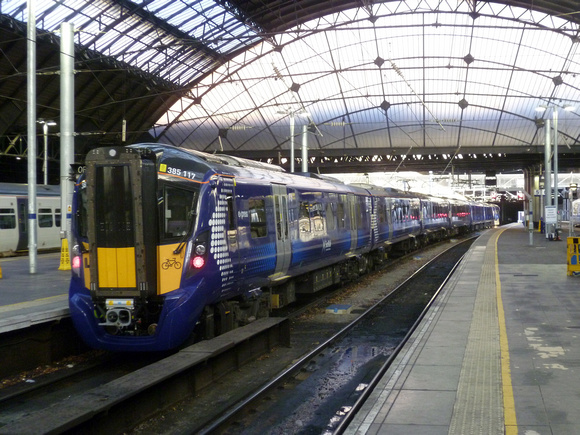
[[122, 224], [283, 244], [231, 277], [22, 204], [353, 218]]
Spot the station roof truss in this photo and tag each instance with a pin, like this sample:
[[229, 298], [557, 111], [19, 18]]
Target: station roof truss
[[372, 85]]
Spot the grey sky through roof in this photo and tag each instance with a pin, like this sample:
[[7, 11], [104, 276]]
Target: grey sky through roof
[[405, 76], [409, 78]]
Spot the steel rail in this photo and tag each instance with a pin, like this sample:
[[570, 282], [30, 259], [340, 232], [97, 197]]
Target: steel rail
[[238, 407]]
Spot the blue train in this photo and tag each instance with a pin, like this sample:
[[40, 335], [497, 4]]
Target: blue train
[[170, 242]]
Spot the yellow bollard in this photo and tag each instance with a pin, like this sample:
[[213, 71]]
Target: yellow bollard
[[573, 256], [0, 271], [64, 256]]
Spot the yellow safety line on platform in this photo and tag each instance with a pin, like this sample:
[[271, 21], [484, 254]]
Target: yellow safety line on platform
[[510, 421], [33, 303]]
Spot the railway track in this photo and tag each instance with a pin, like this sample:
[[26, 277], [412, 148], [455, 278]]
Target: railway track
[[268, 370], [48, 342], [37, 393], [319, 392]]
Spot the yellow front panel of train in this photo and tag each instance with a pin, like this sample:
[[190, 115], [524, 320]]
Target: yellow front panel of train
[[117, 267], [169, 268]]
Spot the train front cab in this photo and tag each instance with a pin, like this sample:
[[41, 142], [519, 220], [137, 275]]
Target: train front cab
[[115, 290]]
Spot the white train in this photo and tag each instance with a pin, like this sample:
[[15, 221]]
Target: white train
[[576, 212], [14, 218]]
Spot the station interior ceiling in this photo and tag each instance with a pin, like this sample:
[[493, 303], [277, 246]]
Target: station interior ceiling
[[369, 86]]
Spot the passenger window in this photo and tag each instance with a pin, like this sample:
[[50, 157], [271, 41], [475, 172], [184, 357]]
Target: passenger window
[[317, 217], [7, 219], [45, 217], [57, 217], [330, 220], [304, 218], [258, 220]]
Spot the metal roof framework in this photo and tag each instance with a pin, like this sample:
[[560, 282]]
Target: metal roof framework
[[384, 84]]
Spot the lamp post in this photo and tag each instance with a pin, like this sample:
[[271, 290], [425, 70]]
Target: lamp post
[[547, 177], [45, 125], [292, 114]]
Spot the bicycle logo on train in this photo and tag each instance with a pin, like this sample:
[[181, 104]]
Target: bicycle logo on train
[[171, 262]]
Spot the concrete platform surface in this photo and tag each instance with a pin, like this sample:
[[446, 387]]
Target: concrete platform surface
[[498, 353], [26, 298]]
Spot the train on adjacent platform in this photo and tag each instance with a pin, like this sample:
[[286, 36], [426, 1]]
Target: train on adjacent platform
[[170, 244], [14, 218]]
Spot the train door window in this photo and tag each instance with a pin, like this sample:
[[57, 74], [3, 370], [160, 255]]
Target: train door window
[[258, 220], [7, 219], [278, 217], [114, 206], [285, 213], [381, 210], [57, 217], [178, 205], [304, 218], [353, 212], [44, 218], [281, 204], [22, 218], [340, 215]]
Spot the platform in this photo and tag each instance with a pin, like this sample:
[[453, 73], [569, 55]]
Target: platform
[[499, 352], [27, 299]]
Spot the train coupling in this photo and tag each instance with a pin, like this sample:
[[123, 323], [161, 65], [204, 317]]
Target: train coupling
[[119, 312]]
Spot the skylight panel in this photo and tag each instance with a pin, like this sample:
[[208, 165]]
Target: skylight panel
[[165, 8], [52, 20], [207, 21], [14, 8]]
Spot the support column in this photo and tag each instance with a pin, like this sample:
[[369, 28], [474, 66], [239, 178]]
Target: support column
[[547, 174], [66, 131], [31, 132], [304, 148]]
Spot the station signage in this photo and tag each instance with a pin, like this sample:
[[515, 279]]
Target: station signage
[[551, 214]]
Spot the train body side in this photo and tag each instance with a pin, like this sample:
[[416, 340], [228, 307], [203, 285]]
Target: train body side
[[257, 229]]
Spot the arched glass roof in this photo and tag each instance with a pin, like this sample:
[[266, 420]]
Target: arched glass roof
[[176, 40], [410, 75], [400, 77]]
